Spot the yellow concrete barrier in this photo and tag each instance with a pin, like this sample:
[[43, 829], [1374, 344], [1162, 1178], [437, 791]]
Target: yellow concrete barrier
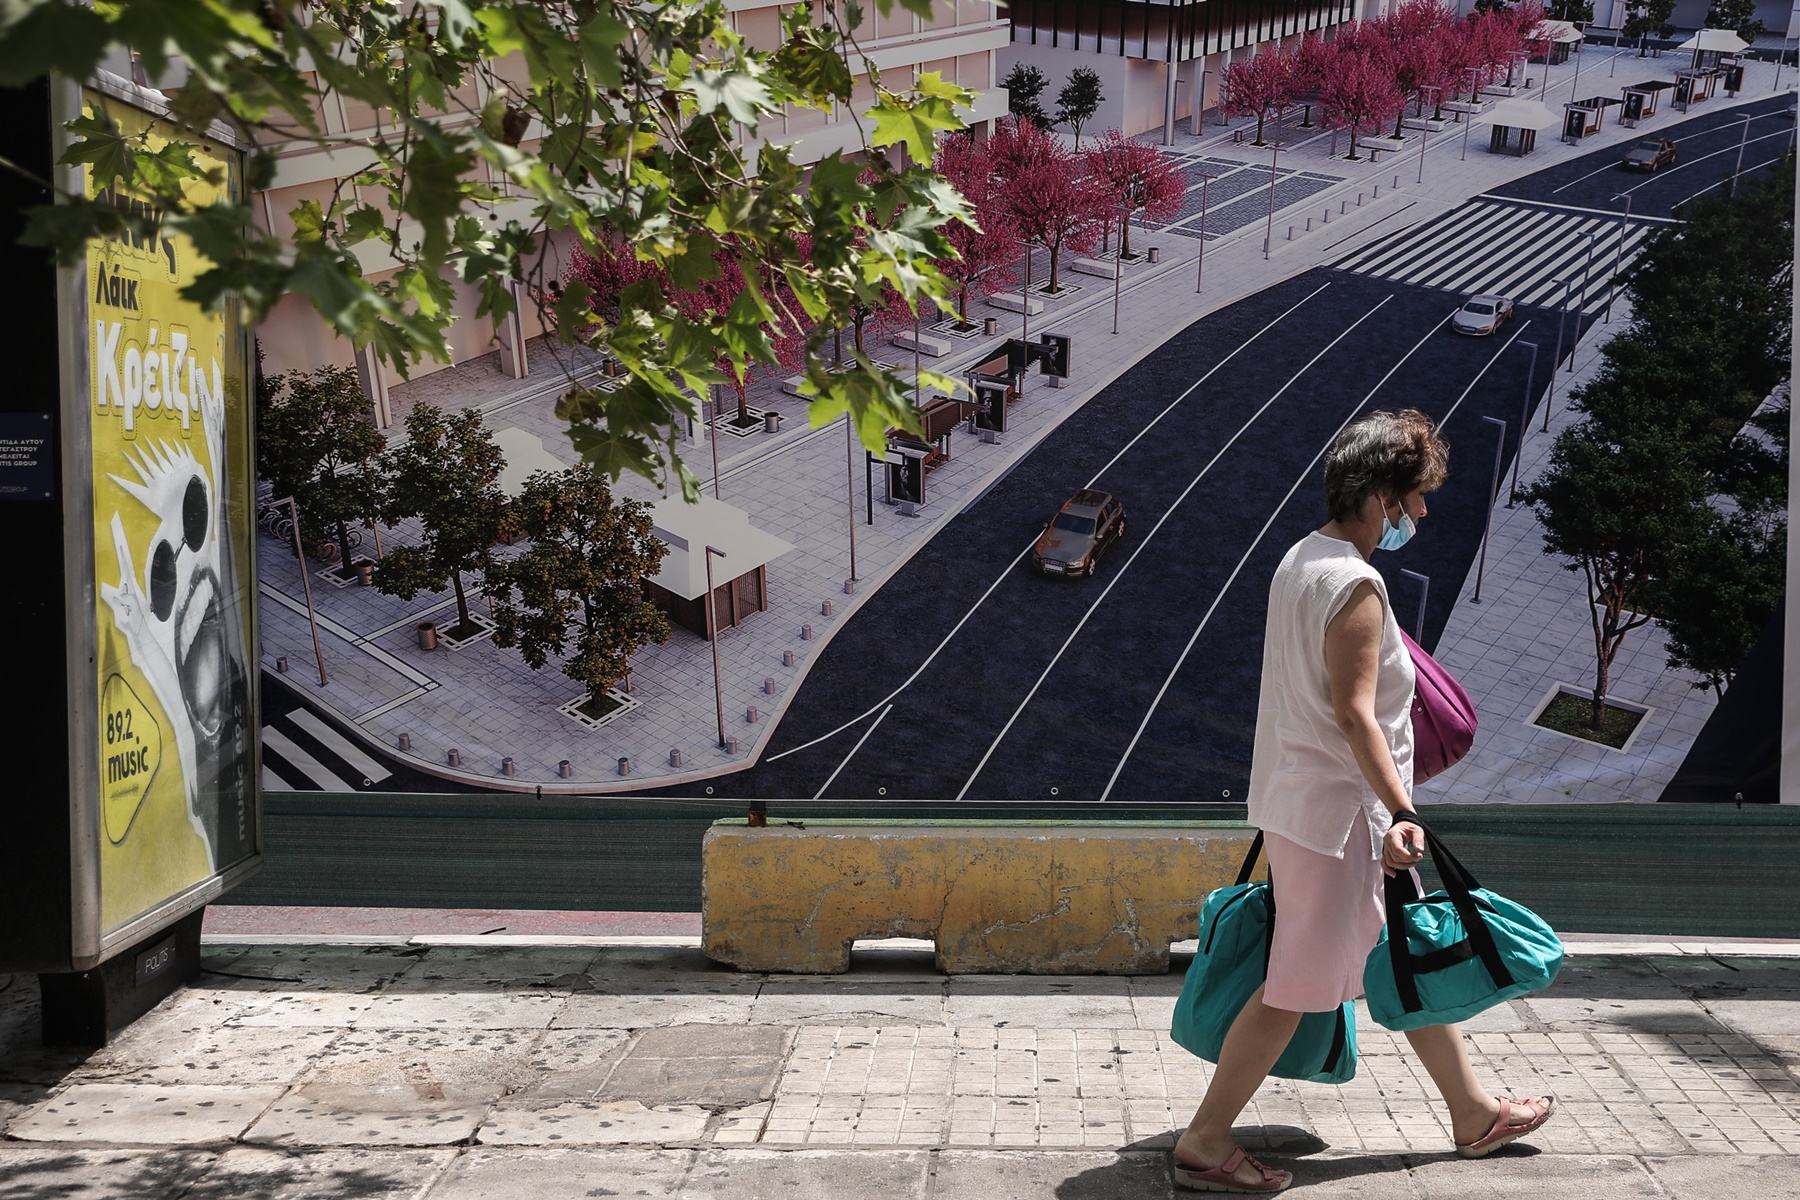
[[1003, 898]]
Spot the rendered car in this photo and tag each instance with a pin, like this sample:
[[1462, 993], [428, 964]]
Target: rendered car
[[1651, 155], [1482, 315], [1082, 530]]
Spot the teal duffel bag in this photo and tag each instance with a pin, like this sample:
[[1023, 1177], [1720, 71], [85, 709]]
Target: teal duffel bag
[[1236, 926], [1447, 956]]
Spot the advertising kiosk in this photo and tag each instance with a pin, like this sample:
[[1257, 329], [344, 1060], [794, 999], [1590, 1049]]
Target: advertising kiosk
[[126, 474]]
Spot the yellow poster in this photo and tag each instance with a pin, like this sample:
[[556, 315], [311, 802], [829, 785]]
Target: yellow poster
[[170, 418]]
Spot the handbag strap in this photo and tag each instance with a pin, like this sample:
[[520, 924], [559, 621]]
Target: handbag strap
[[1256, 845], [1400, 890]]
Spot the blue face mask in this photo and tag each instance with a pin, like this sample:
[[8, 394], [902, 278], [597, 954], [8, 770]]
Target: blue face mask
[[1395, 536]]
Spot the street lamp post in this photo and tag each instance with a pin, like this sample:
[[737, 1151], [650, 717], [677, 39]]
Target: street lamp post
[[1556, 359], [712, 629], [1612, 285], [850, 488], [1269, 233], [1424, 136], [712, 423], [1200, 271], [1424, 595], [1524, 420], [1561, 316], [1587, 275], [1742, 138], [1025, 294], [1574, 88], [306, 581], [1118, 266], [1493, 495]]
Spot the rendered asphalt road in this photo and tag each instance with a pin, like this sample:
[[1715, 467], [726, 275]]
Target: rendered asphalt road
[[1008, 686], [1213, 444]]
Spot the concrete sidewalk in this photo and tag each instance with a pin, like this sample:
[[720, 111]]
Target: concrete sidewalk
[[450, 1067]]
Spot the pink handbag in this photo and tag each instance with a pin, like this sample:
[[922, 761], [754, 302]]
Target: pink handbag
[[1443, 716]]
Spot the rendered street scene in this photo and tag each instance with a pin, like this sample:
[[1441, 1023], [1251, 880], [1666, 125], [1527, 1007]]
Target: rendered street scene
[[726, 599]]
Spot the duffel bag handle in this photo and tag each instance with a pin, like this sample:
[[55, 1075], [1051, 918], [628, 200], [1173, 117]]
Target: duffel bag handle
[[1244, 871], [1458, 884]]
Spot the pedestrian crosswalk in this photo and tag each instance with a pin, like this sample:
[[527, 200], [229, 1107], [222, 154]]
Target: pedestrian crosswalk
[[302, 753], [1536, 254]]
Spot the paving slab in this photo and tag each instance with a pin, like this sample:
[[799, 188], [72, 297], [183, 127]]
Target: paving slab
[[1663, 1015], [807, 1175], [235, 1054], [508, 1173], [407, 1095], [31, 1173], [321, 1174], [794, 1002], [700, 1064], [1518, 1170], [1720, 1177], [1097, 1003], [1068, 1176], [1757, 1017], [593, 1123], [641, 1011], [145, 1114]]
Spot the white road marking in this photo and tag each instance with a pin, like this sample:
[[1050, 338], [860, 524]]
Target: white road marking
[[1008, 569], [1149, 537], [303, 762], [873, 725], [1213, 607], [339, 745]]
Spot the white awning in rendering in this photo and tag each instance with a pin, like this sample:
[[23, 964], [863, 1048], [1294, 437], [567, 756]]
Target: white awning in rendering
[[1722, 40], [687, 529], [1519, 113]]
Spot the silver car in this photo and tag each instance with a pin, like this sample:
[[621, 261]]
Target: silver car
[[1482, 315]]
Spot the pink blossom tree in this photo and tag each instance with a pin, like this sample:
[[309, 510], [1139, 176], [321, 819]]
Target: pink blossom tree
[[1358, 90], [1138, 177], [1259, 85], [1410, 44], [983, 249], [1052, 199]]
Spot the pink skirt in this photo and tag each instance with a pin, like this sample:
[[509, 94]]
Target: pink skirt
[[1328, 916]]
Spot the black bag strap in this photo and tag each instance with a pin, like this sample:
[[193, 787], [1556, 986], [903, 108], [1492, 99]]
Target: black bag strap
[[1400, 891], [1256, 845]]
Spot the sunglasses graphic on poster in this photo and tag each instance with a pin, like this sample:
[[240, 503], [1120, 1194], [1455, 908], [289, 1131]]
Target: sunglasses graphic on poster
[[169, 423]]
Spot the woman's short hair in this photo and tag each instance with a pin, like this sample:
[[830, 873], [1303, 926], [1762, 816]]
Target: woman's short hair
[[1391, 453]]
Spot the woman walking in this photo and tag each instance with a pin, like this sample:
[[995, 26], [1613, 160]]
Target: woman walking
[[1331, 788]]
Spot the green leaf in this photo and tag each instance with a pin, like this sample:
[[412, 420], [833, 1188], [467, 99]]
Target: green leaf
[[107, 151], [309, 222], [914, 124], [739, 92], [696, 264], [364, 222], [38, 37], [599, 40]]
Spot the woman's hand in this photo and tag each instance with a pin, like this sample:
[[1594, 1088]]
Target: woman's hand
[[1401, 847]]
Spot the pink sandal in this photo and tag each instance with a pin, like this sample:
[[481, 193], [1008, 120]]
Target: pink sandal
[[1219, 1178], [1502, 1133]]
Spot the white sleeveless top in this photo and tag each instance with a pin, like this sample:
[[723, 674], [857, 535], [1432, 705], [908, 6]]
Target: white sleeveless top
[[1304, 781]]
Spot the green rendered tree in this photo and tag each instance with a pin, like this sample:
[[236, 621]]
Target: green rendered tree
[[1717, 596], [1024, 84], [1737, 15], [577, 591], [1573, 11], [1644, 17], [1616, 504], [1078, 101], [316, 442], [497, 123], [447, 474]]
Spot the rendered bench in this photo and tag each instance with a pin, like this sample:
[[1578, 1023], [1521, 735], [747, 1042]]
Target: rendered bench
[[924, 343], [1092, 266], [1018, 897], [1013, 302]]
